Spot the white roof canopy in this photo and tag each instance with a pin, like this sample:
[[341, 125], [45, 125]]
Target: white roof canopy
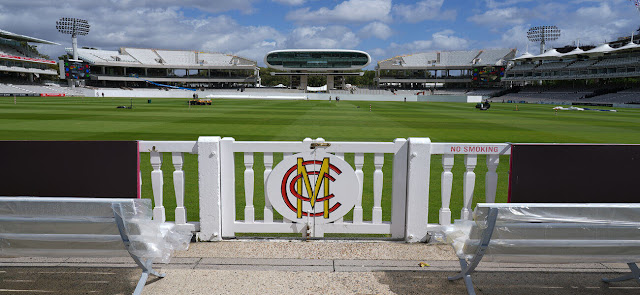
[[604, 48], [574, 52], [631, 45], [9, 35], [525, 56], [551, 54]]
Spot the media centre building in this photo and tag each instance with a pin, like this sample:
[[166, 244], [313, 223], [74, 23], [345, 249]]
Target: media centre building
[[335, 64]]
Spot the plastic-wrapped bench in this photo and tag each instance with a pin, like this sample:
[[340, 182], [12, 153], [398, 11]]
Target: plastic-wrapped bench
[[548, 233], [86, 227]]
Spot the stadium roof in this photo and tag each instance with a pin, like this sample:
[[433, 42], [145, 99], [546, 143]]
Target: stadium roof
[[13, 36], [604, 48], [600, 50], [550, 54], [574, 52], [629, 45], [160, 58], [524, 56], [450, 59]]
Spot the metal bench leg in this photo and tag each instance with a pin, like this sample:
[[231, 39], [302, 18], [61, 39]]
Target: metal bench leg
[[467, 269], [145, 264], [147, 268], [465, 274], [634, 275]]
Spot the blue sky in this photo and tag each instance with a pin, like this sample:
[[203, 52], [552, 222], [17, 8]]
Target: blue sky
[[384, 28]]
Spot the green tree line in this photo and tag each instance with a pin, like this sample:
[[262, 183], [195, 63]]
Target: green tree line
[[314, 81]]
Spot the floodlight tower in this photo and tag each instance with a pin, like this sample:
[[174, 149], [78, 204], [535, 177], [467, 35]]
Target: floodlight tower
[[543, 34], [74, 27]]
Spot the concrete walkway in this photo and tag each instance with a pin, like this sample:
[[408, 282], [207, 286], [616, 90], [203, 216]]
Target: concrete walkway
[[296, 267]]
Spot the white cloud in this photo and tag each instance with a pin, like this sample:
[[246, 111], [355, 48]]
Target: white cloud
[[496, 4], [443, 40], [322, 37], [115, 24], [423, 10], [350, 11], [376, 29], [501, 17], [290, 2], [592, 24]]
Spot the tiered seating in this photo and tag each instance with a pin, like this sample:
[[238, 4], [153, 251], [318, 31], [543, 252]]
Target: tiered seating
[[174, 57], [144, 56], [523, 67], [552, 66], [8, 88], [581, 64], [618, 61], [94, 55], [419, 59], [8, 50], [214, 58], [619, 97], [457, 58], [491, 57]]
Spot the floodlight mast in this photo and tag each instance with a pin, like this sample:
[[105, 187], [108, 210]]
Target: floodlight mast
[[74, 27], [543, 34]]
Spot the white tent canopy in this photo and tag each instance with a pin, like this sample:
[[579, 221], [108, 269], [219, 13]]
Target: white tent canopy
[[631, 45], [525, 56], [604, 48], [551, 54], [574, 52]]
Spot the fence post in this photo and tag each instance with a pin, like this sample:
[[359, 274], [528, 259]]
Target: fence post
[[399, 189], [419, 167], [227, 186], [209, 187]]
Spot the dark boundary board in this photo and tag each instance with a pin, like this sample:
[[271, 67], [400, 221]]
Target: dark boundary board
[[572, 173], [98, 169]]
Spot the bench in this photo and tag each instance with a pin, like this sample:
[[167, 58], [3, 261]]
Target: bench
[[86, 227], [548, 233]]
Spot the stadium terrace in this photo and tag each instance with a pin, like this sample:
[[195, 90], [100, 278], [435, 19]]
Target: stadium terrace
[[133, 67], [613, 60], [464, 68], [21, 61]]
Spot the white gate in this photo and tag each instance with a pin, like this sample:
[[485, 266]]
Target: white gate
[[358, 225]]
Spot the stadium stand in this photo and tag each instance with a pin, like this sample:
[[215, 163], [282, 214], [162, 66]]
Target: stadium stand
[[143, 56], [581, 64], [462, 68], [141, 67], [18, 60], [214, 59], [607, 61], [173, 57]]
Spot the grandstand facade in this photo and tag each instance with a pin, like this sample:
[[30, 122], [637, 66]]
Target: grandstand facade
[[136, 67], [20, 61], [334, 64], [460, 68], [607, 61]]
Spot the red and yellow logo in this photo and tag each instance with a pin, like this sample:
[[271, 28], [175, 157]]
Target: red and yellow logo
[[314, 184], [301, 181]]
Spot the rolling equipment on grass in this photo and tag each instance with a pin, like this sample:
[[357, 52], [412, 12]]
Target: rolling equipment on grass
[[200, 102]]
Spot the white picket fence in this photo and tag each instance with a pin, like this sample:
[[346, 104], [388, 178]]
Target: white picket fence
[[411, 168]]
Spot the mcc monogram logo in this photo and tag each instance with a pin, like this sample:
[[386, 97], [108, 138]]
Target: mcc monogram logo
[[314, 184]]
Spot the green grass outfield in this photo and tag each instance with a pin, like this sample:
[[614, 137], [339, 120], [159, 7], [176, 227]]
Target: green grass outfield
[[171, 119]]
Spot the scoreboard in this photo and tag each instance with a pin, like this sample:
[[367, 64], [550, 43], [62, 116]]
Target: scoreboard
[[488, 75], [76, 70]]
